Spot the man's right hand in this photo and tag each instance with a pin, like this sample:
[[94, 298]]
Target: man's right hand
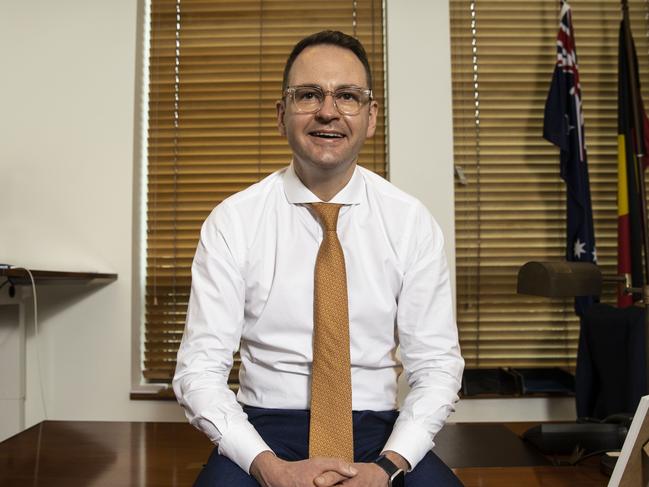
[[271, 471]]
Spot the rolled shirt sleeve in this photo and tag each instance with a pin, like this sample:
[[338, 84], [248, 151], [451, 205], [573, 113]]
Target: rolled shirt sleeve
[[212, 334], [429, 346]]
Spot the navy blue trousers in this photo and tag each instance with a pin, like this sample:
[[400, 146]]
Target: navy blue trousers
[[287, 433]]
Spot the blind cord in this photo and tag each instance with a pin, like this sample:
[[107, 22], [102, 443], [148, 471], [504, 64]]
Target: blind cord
[[476, 126]]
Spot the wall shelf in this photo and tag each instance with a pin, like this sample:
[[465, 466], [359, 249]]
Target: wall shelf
[[19, 276]]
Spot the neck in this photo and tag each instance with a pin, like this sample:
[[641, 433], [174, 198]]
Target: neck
[[325, 184]]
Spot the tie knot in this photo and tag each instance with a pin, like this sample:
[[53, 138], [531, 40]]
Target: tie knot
[[328, 213]]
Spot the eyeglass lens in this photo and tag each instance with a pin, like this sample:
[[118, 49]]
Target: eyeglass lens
[[310, 99]]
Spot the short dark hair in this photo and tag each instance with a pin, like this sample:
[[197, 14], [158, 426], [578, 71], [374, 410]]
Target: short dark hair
[[333, 38]]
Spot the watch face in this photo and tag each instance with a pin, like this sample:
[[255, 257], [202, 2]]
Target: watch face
[[398, 480]]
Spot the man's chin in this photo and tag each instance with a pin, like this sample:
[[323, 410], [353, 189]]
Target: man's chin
[[330, 164]]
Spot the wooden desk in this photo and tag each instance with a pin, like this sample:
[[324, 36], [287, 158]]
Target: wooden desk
[[76, 453]]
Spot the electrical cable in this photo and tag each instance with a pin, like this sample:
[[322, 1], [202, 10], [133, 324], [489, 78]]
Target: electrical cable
[[592, 454], [578, 456]]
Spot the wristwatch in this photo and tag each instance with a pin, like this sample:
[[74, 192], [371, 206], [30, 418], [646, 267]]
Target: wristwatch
[[395, 474]]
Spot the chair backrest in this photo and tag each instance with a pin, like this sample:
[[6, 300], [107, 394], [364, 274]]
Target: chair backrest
[[611, 369]]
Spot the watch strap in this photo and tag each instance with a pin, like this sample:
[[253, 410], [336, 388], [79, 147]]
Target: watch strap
[[390, 468]]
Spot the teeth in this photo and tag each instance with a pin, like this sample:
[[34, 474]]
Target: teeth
[[328, 135]]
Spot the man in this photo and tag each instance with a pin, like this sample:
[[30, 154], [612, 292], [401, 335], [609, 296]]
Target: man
[[258, 282]]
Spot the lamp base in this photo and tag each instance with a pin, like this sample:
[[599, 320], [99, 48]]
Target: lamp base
[[564, 438]]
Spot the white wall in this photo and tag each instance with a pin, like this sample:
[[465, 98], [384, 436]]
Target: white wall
[[66, 166], [420, 111], [67, 171]]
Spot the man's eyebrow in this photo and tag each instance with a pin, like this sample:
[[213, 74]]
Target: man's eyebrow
[[339, 87]]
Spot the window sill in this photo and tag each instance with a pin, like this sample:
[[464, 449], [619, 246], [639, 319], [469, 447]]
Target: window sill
[[160, 392], [515, 396], [165, 394]]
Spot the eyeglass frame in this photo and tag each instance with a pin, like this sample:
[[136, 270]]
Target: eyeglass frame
[[290, 91]]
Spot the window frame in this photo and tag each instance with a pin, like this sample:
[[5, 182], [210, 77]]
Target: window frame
[[140, 387]]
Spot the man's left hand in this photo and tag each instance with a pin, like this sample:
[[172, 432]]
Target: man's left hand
[[369, 475]]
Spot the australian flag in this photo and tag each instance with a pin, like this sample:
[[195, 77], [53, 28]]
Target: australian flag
[[563, 125]]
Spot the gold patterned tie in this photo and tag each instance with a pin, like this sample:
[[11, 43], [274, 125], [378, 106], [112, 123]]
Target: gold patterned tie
[[330, 430]]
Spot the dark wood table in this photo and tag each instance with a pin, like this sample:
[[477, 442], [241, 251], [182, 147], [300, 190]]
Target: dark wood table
[[115, 454]]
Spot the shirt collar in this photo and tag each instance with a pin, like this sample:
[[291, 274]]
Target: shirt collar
[[296, 192]]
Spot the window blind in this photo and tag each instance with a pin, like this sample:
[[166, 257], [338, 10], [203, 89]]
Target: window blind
[[512, 209], [215, 73]]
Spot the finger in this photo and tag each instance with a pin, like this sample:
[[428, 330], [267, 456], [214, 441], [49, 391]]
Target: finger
[[337, 465], [351, 482], [329, 478]]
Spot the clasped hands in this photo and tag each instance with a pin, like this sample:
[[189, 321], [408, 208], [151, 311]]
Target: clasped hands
[[271, 471]]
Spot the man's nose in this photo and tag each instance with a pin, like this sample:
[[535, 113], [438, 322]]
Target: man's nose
[[328, 109]]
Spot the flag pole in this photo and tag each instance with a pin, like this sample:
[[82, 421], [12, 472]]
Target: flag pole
[[635, 99], [640, 153]]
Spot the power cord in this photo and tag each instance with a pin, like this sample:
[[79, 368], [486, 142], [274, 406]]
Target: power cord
[[578, 456], [592, 454]]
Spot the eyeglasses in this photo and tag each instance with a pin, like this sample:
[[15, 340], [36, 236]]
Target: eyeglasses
[[309, 98]]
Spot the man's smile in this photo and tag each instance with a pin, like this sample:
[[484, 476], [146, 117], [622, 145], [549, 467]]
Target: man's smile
[[327, 134]]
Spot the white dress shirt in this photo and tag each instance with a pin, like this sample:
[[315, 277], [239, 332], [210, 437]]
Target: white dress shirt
[[252, 287]]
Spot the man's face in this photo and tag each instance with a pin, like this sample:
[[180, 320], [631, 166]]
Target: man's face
[[326, 140]]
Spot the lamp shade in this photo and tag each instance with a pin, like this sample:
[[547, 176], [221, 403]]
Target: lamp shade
[[559, 279]]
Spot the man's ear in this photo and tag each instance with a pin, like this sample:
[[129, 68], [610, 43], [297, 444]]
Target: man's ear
[[373, 113], [281, 110]]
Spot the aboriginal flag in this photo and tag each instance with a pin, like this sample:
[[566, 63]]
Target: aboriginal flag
[[630, 228], [563, 125]]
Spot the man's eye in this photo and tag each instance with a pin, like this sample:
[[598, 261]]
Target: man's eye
[[307, 95], [348, 96]]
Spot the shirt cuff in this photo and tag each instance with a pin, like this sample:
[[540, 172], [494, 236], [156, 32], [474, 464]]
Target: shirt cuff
[[410, 440], [242, 444]]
